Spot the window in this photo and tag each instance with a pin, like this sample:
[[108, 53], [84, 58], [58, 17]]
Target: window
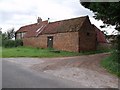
[[88, 34], [18, 36], [22, 34]]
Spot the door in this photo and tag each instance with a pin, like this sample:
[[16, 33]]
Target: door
[[50, 42]]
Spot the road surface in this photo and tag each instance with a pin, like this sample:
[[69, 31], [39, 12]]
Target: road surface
[[16, 76]]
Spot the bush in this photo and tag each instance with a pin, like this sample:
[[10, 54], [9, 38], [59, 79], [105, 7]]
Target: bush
[[12, 43], [0, 40], [18, 43], [111, 64]]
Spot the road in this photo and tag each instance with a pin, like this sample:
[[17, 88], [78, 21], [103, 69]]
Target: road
[[16, 76]]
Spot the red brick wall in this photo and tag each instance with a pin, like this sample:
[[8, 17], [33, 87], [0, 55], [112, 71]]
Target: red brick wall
[[40, 41], [61, 41], [87, 37], [66, 41]]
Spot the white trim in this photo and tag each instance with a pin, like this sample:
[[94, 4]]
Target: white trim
[[39, 28]]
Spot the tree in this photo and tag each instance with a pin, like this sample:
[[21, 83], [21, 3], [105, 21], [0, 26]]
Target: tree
[[0, 36], [6, 36], [109, 13], [0, 31], [10, 33]]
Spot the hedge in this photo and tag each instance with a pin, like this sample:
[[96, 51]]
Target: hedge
[[12, 43]]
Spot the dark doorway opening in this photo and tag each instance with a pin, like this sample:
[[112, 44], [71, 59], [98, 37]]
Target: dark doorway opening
[[50, 41]]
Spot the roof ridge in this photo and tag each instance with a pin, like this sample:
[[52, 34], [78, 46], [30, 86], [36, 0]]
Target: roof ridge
[[69, 19], [33, 24]]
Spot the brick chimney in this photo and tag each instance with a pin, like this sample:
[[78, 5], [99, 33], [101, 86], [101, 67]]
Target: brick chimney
[[39, 20]]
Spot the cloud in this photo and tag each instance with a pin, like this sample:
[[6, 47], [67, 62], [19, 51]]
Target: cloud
[[16, 13]]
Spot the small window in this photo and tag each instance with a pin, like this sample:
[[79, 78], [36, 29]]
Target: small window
[[22, 34], [88, 34], [18, 36]]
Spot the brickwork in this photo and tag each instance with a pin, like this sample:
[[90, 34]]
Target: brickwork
[[82, 40], [66, 41], [87, 37], [40, 42], [61, 41]]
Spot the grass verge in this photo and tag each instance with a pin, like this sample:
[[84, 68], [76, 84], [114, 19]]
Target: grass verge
[[110, 64], [42, 53], [34, 52]]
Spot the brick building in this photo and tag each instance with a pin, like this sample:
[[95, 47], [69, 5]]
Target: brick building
[[76, 34]]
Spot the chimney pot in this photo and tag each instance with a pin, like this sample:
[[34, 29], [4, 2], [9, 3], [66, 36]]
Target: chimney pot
[[48, 20], [39, 20]]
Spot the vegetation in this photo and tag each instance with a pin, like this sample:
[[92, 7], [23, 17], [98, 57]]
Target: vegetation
[[95, 52], [33, 52], [38, 52], [6, 39], [111, 65], [10, 34], [12, 43]]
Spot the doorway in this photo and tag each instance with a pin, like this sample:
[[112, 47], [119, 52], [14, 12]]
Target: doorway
[[50, 41]]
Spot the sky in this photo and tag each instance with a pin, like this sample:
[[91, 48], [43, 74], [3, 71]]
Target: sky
[[17, 13]]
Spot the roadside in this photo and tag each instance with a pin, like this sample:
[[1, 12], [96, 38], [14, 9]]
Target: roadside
[[42, 53], [83, 69]]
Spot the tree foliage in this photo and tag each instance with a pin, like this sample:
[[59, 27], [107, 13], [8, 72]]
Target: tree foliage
[[10, 33], [6, 39], [108, 12], [12, 43]]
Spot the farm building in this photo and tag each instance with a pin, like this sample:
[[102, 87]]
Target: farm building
[[76, 34]]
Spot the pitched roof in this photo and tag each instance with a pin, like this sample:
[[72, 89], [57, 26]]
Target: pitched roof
[[44, 27], [64, 26], [100, 35], [33, 29]]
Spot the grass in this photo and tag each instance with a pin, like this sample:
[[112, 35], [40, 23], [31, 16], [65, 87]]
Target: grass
[[110, 63], [41, 53], [96, 51], [33, 52], [0, 51]]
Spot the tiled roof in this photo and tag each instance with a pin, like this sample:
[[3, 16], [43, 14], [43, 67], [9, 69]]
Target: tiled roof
[[32, 30], [53, 27], [100, 35], [64, 26]]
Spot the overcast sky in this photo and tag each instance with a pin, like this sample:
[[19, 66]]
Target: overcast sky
[[17, 13]]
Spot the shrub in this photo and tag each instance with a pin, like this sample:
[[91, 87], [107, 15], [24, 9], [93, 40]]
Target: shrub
[[111, 64], [18, 43], [12, 43], [0, 40]]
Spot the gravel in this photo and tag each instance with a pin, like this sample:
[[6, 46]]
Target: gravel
[[85, 70], [86, 77]]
